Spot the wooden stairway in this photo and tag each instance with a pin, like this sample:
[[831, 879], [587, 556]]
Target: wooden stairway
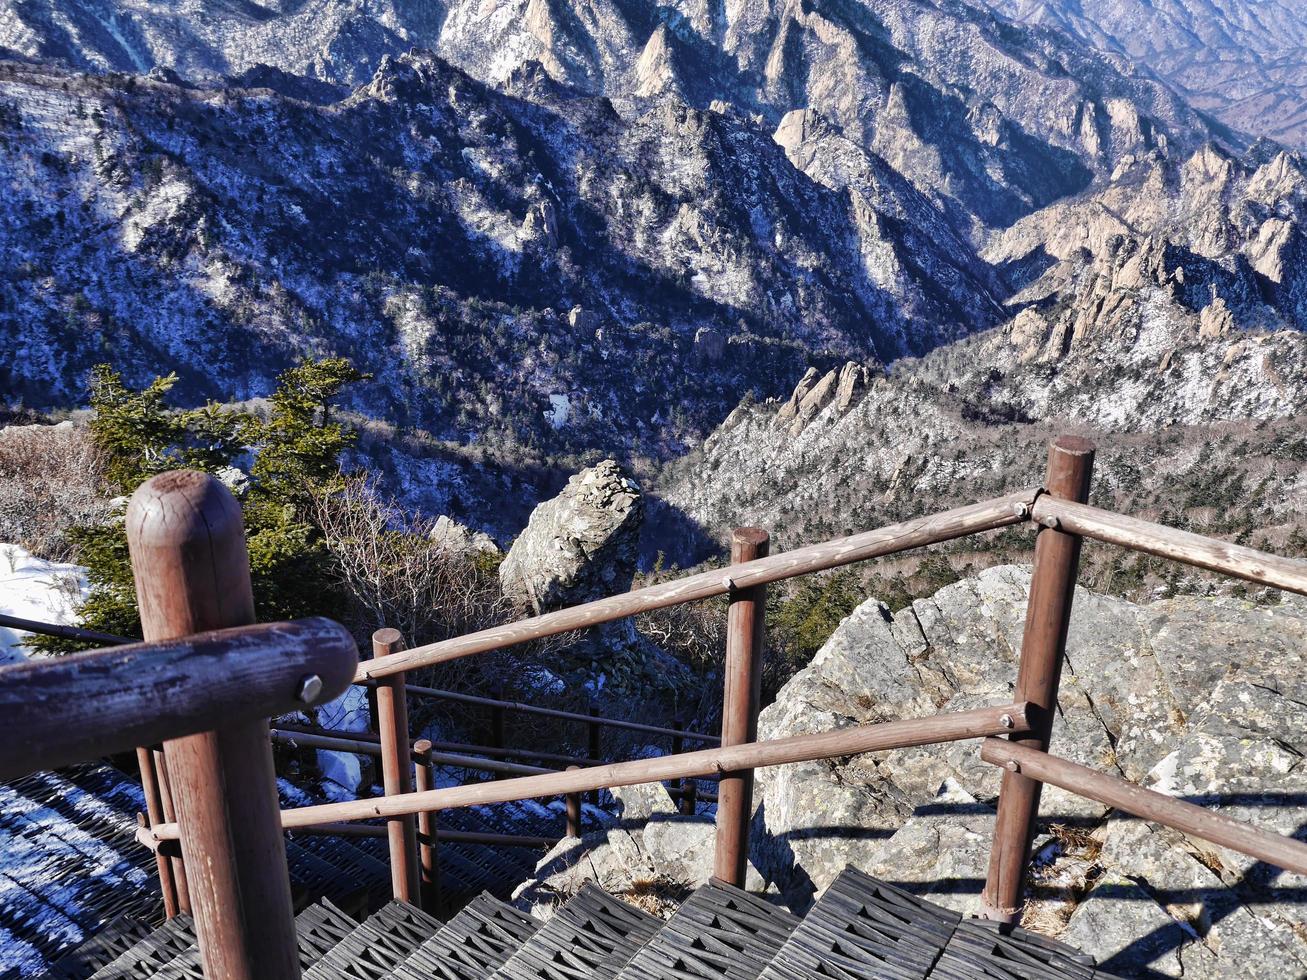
[[861, 929]]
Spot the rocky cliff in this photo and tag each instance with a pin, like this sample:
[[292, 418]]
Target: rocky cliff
[[1196, 698]]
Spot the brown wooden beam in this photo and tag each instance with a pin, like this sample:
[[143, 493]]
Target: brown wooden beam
[[59, 710], [1249, 564], [989, 515], [742, 685], [1147, 804], [855, 740], [1043, 648], [397, 770], [187, 545]]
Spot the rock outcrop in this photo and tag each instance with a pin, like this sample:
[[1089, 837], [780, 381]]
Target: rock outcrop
[[453, 536], [579, 546], [1199, 698]]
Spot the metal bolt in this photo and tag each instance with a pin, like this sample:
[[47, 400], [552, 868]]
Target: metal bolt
[[1051, 522], [729, 583], [309, 689], [1013, 766], [1005, 721], [1022, 510]]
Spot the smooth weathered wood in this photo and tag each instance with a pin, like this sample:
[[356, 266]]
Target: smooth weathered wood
[[573, 802], [522, 707], [1043, 648], [176, 864], [989, 515], [65, 632], [745, 630], [1147, 804], [154, 815], [428, 834], [60, 710], [397, 770], [1249, 564], [690, 798], [187, 545], [855, 740], [678, 746]]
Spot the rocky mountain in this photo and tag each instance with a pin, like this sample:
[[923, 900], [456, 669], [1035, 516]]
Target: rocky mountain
[[1161, 315], [1196, 698], [1241, 60], [525, 266]]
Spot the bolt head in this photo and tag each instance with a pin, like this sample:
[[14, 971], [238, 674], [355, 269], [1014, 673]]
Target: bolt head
[[1013, 766], [1051, 522], [309, 688], [1021, 509], [1005, 721]]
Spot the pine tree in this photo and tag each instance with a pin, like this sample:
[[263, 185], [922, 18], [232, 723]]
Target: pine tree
[[296, 451]]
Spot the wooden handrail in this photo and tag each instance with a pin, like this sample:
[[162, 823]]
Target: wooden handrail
[[531, 709], [1214, 555], [856, 740], [988, 515], [64, 632], [1283, 852], [286, 731], [61, 710]]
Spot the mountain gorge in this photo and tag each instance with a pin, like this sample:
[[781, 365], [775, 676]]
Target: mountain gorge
[[1241, 60], [567, 229]]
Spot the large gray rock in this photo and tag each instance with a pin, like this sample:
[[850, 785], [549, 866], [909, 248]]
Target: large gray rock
[[1199, 698], [581, 545]]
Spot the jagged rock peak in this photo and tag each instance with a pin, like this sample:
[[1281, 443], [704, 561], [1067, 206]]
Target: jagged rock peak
[[816, 390], [579, 546]]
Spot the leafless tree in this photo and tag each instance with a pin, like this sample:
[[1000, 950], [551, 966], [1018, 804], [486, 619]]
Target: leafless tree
[[50, 479]]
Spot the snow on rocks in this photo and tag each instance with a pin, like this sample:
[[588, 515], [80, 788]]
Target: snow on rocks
[[33, 588]]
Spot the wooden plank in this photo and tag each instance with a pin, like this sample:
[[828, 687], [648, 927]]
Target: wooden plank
[[1147, 804], [1249, 564], [61, 710], [948, 727], [988, 515]]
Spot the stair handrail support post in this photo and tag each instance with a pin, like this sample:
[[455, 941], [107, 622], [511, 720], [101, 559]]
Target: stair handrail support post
[[154, 815], [397, 770], [594, 744], [186, 538], [742, 686], [1043, 649], [428, 844], [573, 805]]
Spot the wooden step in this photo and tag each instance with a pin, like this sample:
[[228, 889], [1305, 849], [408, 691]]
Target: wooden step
[[719, 933], [592, 937], [378, 946], [472, 945]]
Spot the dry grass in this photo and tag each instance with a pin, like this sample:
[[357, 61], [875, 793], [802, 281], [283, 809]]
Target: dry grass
[[50, 479], [658, 896]]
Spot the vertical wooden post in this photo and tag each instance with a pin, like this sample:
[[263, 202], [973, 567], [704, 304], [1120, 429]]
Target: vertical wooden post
[[154, 815], [497, 727], [160, 765], [397, 770], [678, 746], [573, 801], [1043, 647], [690, 797], [593, 745], [745, 628], [429, 857], [187, 544]]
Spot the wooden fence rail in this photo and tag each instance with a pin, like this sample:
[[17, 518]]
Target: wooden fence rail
[[855, 740]]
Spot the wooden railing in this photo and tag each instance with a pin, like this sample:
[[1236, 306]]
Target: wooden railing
[[411, 804], [205, 692]]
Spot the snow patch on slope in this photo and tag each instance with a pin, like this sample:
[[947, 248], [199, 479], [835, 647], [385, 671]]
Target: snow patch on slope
[[33, 588]]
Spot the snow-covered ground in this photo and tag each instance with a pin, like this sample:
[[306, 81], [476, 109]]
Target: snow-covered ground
[[33, 588]]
